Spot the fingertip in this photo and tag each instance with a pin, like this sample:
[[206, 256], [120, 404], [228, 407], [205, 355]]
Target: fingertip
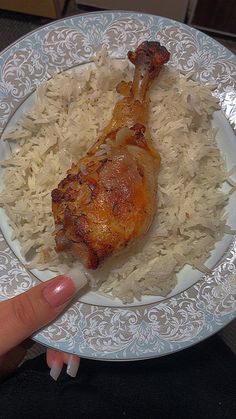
[[56, 368], [73, 365], [50, 356], [56, 360], [55, 363]]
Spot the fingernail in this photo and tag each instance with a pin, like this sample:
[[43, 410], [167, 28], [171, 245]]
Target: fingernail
[[64, 287], [59, 291], [78, 277], [55, 370], [73, 365]]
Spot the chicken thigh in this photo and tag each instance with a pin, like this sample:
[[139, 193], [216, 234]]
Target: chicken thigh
[[108, 199]]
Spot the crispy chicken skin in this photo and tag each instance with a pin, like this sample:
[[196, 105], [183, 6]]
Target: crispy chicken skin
[[108, 198]]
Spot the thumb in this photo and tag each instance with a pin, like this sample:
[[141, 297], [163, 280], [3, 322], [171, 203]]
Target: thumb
[[24, 314]]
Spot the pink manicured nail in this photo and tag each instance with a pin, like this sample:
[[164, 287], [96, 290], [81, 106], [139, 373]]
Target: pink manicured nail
[[64, 287], [59, 291]]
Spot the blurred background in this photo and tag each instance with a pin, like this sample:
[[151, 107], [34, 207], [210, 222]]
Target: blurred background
[[215, 17]]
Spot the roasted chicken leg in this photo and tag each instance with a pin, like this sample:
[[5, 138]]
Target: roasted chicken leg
[[108, 198]]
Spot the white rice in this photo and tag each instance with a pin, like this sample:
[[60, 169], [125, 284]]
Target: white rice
[[69, 113]]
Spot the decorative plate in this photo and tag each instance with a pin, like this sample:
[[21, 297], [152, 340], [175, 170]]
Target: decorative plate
[[153, 327]]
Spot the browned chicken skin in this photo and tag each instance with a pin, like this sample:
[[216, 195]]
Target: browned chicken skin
[[108, 198]]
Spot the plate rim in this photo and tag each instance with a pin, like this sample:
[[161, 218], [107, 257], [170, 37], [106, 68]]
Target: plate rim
[[40, 337]]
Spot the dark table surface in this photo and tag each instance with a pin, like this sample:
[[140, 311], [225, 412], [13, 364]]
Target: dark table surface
[[197, 383]]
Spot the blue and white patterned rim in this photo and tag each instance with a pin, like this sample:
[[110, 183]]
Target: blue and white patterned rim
[[122, 333]]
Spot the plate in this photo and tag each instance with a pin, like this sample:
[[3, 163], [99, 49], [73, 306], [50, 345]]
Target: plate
[[154, 327]]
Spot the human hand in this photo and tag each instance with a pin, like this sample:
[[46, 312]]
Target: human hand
[[24, 314]]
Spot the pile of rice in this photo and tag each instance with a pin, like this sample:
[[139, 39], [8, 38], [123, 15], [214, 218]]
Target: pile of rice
[[69, 113]]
